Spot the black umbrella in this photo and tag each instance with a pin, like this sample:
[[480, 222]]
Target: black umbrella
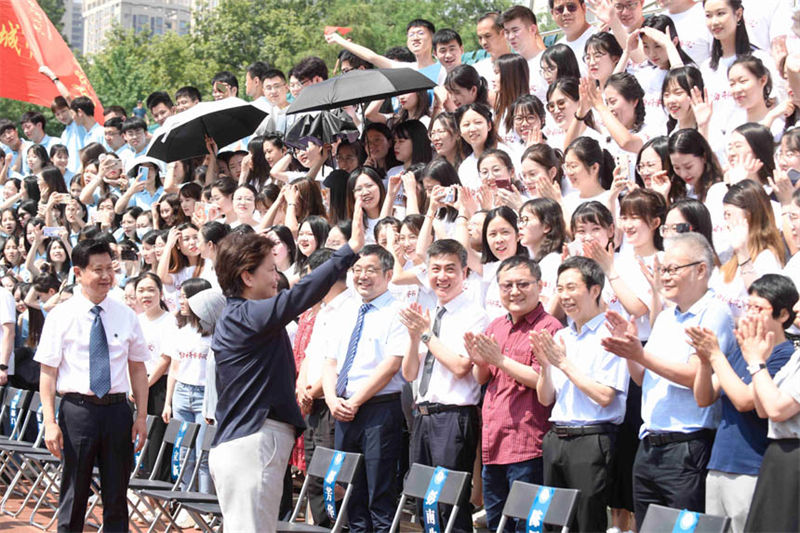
[[359, 86], [323, 127], [183, 135]]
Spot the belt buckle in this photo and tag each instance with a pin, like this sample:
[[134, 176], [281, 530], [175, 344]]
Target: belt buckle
[[561, 431], [656, 439], [423, 409]]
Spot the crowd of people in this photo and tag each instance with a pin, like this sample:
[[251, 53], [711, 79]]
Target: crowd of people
[[579, 267]]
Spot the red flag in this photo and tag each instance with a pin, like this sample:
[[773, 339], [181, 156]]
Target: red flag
[[29, 40], [341, 29]]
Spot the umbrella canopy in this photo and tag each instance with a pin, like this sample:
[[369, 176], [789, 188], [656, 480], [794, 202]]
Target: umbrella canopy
[[359, 86], [28, 41], [183, 135], [322, 128]]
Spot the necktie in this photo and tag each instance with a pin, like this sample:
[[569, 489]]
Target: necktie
[[352, 347], [429, 358], [99, 364]]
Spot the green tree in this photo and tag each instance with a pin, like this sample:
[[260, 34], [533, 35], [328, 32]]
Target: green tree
[[54, 9]]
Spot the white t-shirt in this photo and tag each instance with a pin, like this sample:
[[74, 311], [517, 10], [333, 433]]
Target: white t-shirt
[[734, 293], [579, 45], [492, 304], [536, 82], [651, 79], [766, 20], [191, 349], [485, 68], [693, 33], [157, 334], [549, 267], [573, 200]]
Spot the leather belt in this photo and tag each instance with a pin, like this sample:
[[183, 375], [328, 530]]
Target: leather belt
[[383, 398], [426, 409], [108, 399], [662, 439], [579, 431]]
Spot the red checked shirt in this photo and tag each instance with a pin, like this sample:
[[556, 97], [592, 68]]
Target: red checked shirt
[[514, 421]]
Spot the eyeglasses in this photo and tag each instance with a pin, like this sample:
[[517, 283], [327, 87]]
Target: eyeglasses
[[561, 104], [597, 56], [524, 221], [549, 70], [369, 271], [530, 119], [437, 133], [276, 87], [641, 167], [418, 34], [629, 6], [673, 269], [670, 229], [520, 285], [756, 308], [572, 8]]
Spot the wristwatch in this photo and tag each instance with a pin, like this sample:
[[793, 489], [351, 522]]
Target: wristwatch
[[755, 367], [426, 337]]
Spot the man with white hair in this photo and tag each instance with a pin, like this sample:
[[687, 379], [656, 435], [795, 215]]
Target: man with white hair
[[676, 435]]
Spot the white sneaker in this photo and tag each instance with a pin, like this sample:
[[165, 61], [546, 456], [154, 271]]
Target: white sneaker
[[614, 529], [184, 520]]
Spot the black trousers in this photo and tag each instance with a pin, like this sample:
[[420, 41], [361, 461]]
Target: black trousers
[[101, 434], [320, 432], [582, 463], [775, 500], [673, 475], [377, 432], [449, 440], [156, 397]]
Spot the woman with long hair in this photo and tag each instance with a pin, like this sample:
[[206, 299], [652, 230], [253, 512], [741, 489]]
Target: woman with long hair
[[446, 138], [464, 86], [510, 82], [542, 232], [477, 128], [559, 61], [590, 171], [180, 260]]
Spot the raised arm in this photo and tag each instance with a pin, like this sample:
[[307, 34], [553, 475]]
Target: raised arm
[[361, 51]]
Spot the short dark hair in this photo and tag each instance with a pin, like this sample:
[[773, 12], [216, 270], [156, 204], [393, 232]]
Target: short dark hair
[[89, 247], [159, 97], [117, 110], [225, 76], [309, 68], [517, 12], [518, 260], [114, 122], [134, 123], [445, 36], [5, 125], [780, 292], [448, 247], [82, 103], [59, 102], [421, 23], [355, 61], [386, 259], [239, 253], [590, 271], [399, 53], [319, 257], [258, 69], [192, 93], [33, 116], [551, 3], [274, 73]]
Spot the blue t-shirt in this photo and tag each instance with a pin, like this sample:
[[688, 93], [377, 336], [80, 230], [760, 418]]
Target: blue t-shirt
[[742, 437]]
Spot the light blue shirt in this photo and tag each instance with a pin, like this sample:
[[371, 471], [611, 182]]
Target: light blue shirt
[[48, 142], [95, 135], [72, 137], [144, 199], [382, 336], [23, 151], [667, 406], [572, 406]]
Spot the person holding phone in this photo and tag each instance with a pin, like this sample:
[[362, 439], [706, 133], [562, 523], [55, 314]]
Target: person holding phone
[[145, 190]]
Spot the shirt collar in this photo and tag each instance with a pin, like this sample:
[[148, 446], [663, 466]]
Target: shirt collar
[[534, 315], [381, 301], [455, 303], [591, 326], [85, 305], [695, 308]]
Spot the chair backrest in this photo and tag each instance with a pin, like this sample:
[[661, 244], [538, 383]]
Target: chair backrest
[[15, 403], [419, 477], [659, 518], [322, 460], [170, 436], [521, 498]]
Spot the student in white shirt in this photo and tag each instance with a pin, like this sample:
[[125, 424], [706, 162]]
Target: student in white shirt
[[188, 348], [689, 16], [542, 231], [601, 54], [559, 61], [589, 170], [570, 16], [478, 130], [491, 39]]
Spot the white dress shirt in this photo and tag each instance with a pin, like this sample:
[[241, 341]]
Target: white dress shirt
[[64, 343], [461, 315], [382, 336], [326, 327]]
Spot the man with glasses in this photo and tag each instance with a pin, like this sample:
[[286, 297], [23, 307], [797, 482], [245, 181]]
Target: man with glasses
[[570, 16], [621, 17], [587, 387], [362, 385], [514, 421], [676, 434], [522, 34]]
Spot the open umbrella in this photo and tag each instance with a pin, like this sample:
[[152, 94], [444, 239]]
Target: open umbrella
[[322, 128], [183, 135], [359, 86]]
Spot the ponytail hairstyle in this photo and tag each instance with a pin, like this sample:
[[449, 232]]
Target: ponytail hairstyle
[[569, 86], [628, 87], [685, 77], [756, 67], [563, 59], [466, 77], [155, 279], [648, 205], [662, 23], [589, 152], [742, 41], [690, 141], [514, 82]]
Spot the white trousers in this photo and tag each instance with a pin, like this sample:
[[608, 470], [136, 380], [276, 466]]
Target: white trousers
[[730, 495], [248, 475]]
